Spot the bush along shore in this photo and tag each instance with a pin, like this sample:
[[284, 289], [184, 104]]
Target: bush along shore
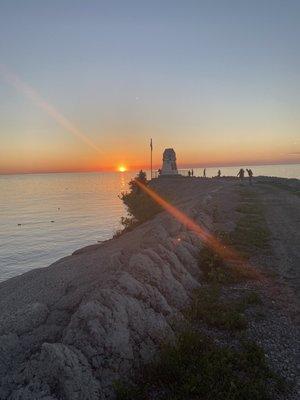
[[140, 206], [156, 314], [212, 357]]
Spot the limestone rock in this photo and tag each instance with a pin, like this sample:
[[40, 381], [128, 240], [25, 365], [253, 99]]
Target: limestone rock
[[25, 319]]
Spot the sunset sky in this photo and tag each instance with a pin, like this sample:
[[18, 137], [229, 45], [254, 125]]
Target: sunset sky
[[85, 84]]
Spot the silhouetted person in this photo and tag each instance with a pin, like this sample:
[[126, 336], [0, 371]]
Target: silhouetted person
[[189, 173], [250, 174], [192, 172], [204, 173], [241, 174], [219, 174]]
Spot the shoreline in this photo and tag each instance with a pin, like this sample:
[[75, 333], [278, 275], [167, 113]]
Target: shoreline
[[14, 264]]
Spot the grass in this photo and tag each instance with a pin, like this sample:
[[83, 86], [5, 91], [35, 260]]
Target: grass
[[210, 307], [216, 312], [251, 233], [194, 367], [250, 236], [251, 299], [216, 270]]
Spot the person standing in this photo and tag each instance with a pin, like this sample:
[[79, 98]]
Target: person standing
[[241, 174], [204, 173], [250, 174], [219, 173]]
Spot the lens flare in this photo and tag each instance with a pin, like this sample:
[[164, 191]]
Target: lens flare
[[34, 96], [210, 240]]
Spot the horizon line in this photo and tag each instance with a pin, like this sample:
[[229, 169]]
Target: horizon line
[[137, 168]]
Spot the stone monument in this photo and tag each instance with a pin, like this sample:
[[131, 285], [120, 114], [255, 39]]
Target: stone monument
[[169, 166]]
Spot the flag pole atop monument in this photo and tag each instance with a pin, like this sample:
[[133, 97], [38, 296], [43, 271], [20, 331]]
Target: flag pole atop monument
[[151, 147]]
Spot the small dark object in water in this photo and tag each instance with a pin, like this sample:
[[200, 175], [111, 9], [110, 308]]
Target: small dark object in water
[[19, 224], [52, 221], [58, 208]]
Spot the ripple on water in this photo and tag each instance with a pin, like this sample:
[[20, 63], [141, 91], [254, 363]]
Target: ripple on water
[[85, 209]]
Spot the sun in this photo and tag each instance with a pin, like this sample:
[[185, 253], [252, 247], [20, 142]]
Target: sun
[[122, 168]]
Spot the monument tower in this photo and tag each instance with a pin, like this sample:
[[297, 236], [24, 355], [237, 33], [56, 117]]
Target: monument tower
[[169, 166]]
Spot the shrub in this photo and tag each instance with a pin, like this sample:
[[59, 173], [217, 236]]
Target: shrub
[[209, 307], [216, 270], [140, 206], [194, 367]]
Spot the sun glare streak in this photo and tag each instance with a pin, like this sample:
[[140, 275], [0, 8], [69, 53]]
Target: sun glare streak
[[224, 251], [32, 95]]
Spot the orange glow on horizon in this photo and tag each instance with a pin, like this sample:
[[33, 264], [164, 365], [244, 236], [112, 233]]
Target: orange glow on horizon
[[54, 151]]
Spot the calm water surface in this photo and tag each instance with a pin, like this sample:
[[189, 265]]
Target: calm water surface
[[84, 208]]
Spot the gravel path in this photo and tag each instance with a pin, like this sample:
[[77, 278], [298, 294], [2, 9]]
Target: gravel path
[[278, 332], [282, 212], [277, 328]]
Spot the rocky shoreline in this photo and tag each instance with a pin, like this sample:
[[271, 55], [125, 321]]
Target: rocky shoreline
[[70, 330]]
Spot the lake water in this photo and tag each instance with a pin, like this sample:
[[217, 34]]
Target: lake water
[[84, 208]]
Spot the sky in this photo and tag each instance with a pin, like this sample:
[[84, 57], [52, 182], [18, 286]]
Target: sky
[[85, 84]]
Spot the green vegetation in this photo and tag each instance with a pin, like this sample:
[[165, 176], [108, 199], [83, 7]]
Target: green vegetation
[[216, 270], [194, 367], [140, 206], [251, 299], [209, 307], [251, 233]]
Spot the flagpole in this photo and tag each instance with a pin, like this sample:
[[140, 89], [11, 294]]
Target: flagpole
[[151, 147]]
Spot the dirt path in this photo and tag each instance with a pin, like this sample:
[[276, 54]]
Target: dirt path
[[282, 212]]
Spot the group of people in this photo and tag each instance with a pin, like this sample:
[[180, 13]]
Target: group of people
[[217, 176], [240, 174]]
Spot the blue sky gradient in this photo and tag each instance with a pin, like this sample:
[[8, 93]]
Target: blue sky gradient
[[217, 80]]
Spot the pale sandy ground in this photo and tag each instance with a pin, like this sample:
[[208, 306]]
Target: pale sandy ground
[[67, 331]]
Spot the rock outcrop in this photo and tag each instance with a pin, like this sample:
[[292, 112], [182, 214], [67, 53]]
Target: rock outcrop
[[70, 330]]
